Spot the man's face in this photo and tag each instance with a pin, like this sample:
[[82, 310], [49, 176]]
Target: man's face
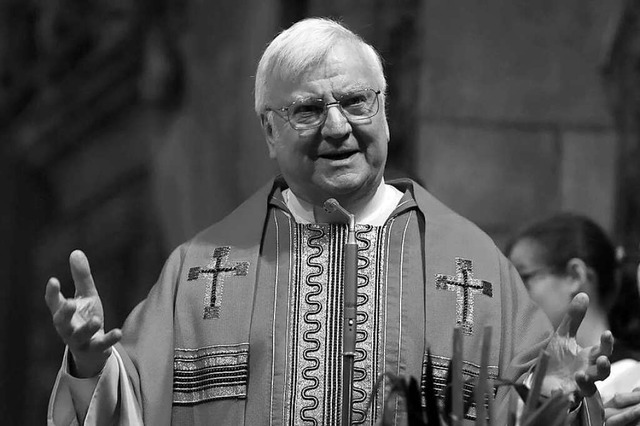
[[338, 159]]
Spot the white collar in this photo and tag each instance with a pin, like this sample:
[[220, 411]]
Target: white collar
[[375, 212]]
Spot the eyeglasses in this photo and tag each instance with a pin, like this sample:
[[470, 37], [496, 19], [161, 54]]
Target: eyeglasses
[[310, 113]]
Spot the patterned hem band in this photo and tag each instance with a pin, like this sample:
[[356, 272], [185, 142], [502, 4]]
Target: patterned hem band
[[470, 371], [214, 372]]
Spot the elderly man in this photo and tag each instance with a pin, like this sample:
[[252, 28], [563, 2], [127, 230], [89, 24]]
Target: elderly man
[[244, 325]]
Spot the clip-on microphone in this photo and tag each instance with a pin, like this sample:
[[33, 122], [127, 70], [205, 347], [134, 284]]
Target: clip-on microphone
[[350, 296]]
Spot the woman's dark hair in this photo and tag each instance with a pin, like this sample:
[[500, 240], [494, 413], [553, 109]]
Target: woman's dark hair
[[566, 236]]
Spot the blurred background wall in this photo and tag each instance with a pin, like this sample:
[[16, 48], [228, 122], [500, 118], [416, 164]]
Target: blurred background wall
[[128, 125]]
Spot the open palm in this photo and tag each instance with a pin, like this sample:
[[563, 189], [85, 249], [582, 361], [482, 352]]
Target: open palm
[[80, 320], [572, 368]]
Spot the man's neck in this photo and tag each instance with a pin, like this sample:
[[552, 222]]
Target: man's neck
[[375, 210]]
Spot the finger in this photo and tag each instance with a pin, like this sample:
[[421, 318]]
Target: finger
[[586, 379], [612, 418], [627, 416], [602, 369], [81, 273], [606, 343], [83, 334], [621, 400], [52, 295], [104, 342], [574, 316], [609, 414]]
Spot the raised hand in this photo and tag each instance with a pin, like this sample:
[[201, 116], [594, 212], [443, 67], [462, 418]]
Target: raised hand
[[80, 320], [574, 369]]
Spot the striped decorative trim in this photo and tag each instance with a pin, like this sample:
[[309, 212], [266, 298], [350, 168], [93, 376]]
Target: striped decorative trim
[[470, 372], [214, 372]]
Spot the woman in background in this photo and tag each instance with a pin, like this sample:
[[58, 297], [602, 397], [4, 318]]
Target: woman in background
[[566, 254]]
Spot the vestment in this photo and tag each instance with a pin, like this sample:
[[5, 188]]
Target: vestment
[[243, 326]]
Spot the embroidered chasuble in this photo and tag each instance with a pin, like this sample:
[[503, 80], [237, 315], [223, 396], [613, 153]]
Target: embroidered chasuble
[[304, 316], [244, 326]]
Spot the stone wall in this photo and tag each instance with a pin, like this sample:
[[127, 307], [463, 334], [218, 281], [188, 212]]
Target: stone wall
[[515, 123]]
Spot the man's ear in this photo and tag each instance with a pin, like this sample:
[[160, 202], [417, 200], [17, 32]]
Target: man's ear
[[386, 130], [269, 134], [580, 274], [386, 120]]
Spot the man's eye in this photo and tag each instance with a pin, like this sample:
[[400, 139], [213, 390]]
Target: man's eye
[[351, 101], [307, 109]]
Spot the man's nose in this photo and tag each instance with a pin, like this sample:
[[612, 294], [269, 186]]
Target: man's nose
[[336, 125]]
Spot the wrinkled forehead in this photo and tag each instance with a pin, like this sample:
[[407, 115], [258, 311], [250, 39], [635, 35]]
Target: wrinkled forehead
[[291, 64], [347, 65]]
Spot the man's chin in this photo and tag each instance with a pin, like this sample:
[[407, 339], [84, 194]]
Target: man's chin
[[347, 188]]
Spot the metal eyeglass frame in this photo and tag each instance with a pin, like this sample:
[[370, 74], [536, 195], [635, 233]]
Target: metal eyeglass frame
[[327, 105]]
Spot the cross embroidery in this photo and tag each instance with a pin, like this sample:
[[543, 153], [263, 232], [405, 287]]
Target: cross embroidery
[[465, 286], [216, 271]]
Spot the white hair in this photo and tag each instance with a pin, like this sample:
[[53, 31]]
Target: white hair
[[303, 45]]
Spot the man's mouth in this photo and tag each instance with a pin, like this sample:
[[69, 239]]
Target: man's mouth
[[335, 156]]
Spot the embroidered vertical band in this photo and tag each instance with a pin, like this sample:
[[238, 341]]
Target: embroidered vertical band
[[314, 355], [470, 373], [214, 372]]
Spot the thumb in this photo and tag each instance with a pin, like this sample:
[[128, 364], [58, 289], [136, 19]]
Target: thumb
[[574, 316], [81, 274]]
